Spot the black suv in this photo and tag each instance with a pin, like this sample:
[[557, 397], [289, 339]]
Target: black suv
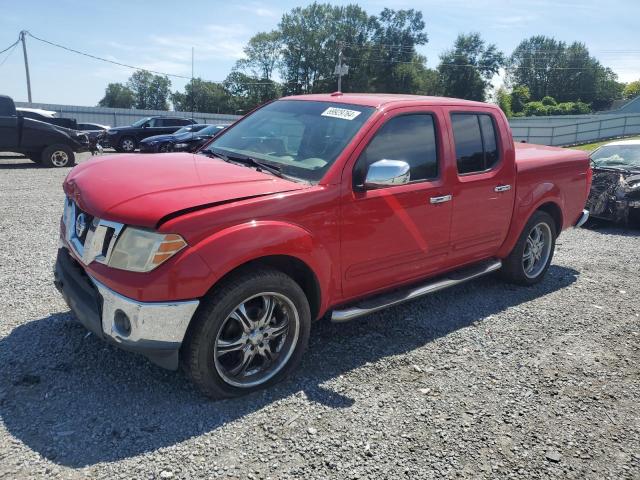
[[126, 139]]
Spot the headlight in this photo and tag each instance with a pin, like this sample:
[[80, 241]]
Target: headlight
[[181, 145], [140, 250]]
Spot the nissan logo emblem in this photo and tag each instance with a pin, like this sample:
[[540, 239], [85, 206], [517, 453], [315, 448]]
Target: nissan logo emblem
[[81, 225]]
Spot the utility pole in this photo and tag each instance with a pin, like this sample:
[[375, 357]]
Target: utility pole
[[193, 93], [26, 62], [340, 68]]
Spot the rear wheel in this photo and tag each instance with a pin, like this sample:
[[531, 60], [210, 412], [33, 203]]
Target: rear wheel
[[530, 259], [58, 156], [249, 334], [127, 144]]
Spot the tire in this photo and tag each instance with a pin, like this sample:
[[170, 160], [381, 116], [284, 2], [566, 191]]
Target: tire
[[517, 269], [127, 144], [217, 344], [58, 156]]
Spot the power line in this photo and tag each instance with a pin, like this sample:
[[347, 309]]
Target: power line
[[95, 57], [9, 54], [10, 46]]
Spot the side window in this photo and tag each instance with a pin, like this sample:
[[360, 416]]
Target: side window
[[475, 139], [411, 138], [154, 122]]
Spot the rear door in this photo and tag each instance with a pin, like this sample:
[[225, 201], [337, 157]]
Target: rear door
[[171, 125], [9, 137], [483, 191], [394, 234]]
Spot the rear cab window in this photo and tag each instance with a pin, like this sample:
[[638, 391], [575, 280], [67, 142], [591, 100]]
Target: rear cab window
[[475, 141]]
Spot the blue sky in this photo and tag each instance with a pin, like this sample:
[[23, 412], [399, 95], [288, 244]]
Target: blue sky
[[159, 35]]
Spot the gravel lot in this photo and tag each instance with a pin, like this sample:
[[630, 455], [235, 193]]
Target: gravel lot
[[485, 380]]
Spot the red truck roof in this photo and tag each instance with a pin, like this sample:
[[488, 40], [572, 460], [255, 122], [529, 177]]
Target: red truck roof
[[379, 99]]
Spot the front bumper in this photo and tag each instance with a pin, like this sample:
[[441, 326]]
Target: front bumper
[[155, 329], [583, 218], [149, 147]]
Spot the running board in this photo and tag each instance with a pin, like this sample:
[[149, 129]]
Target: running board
[[396, 297]]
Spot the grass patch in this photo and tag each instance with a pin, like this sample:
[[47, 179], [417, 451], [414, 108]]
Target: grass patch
[[589, 147]]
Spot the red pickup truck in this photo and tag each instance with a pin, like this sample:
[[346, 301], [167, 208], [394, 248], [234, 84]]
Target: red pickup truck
[[342, 203]]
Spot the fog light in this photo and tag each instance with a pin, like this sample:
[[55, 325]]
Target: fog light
[[122, 323]]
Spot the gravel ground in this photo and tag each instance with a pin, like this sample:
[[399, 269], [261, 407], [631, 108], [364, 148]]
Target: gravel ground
[[485, 380]]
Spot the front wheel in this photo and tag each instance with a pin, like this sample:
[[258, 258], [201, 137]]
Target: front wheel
[[58, 156], [249, 334], [530, 259]]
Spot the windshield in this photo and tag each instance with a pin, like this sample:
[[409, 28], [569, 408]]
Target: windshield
[[617, 156], [212, 129], [141, 122], [189, 128], [301, 138]]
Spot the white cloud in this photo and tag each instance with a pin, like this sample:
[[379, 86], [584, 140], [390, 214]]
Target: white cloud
[[259, 10]]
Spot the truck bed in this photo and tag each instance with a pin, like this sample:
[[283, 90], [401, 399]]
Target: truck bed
[[562, 172]]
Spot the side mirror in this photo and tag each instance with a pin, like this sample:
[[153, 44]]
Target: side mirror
[[387, 173], [146, 125]]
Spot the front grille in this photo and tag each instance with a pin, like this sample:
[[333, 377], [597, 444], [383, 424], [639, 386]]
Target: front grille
[[91, 238]]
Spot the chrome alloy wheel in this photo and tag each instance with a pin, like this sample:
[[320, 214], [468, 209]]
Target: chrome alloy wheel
[[537, 250], [256, 340], [59, 158]]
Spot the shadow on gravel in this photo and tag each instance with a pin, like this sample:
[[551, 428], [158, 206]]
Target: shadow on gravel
[[27, 164], [78, 401]]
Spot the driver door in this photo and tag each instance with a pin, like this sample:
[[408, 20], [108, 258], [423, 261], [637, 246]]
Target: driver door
[[398, 233]]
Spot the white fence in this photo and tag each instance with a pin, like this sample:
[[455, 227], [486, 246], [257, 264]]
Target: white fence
[[117, 117], [574, 129]]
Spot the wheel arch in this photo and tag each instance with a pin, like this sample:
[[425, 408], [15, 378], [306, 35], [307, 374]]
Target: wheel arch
[[555, 211], [550, 206], [280, 245], [292, 266]]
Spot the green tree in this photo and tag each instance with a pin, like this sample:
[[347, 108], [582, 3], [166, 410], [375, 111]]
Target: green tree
[[520, 96], [263, 54], [393, 64], [466, 70], [504, 101], [151, 92], [249, 92], [632, 90], [313, 35], [117, 95], [566, 72], [379, 50], [203, 96]]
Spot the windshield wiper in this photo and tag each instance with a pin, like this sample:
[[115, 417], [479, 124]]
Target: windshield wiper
[[615, 168], [260, 166]]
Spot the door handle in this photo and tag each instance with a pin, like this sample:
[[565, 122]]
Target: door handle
[[441, 199], [502, 188]]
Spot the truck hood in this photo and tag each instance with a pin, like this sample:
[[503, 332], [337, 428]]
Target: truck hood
[[143, 189]]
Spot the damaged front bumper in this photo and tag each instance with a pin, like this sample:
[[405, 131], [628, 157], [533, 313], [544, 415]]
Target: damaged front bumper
[[615, 196], [153, 329]]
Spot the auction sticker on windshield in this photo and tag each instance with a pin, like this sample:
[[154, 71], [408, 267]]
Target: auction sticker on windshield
[[342, 113]]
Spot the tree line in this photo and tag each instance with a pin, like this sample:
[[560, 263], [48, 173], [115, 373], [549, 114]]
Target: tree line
[[542, 75]]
